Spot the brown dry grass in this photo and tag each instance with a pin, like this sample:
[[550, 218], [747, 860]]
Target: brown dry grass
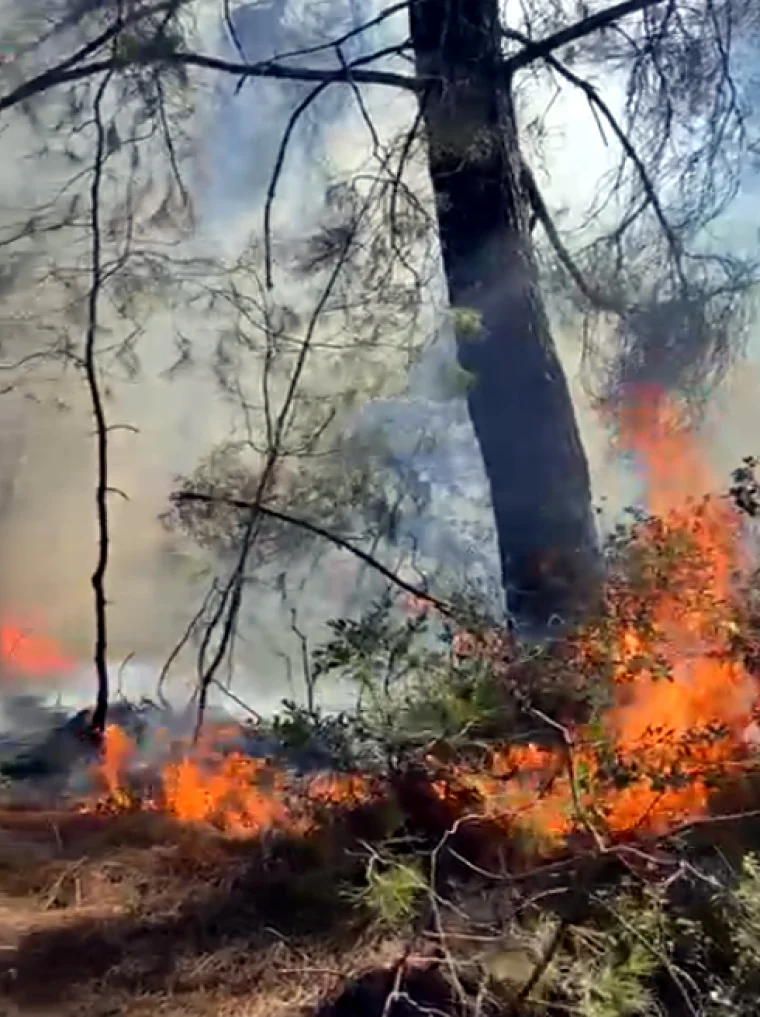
[[134, 915]]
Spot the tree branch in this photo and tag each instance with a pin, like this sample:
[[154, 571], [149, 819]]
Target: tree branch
[[287, 134], [63, 74], [594, 295], [319, 531], [232, 594], [542, 48], [647, 185], [629, 149]]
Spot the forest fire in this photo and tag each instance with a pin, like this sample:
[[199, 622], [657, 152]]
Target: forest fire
[[675, 700], [236, 793], [682, 701]]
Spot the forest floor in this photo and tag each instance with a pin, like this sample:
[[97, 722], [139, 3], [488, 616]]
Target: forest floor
[[134, 915]]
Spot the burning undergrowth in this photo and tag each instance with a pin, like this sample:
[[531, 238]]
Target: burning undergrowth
[[635, 723], [216, 784], [563, 771], [664, 673]]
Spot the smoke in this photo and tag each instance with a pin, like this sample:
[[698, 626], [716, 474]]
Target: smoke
[[155, 579]]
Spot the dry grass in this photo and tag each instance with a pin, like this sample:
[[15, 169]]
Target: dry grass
[[134, 915]]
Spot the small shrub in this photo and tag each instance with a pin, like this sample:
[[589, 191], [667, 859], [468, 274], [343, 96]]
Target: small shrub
[[393, 891]]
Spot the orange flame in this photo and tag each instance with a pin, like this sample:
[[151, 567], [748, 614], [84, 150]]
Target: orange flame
[[646, 765], [119, 749], [709, 696], [232, 792], [237, 792], [31, 654], [673, 733]]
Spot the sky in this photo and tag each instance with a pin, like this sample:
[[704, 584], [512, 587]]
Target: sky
[[46, 534]]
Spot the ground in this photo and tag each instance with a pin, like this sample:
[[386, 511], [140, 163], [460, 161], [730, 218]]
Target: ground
[[133, 915]]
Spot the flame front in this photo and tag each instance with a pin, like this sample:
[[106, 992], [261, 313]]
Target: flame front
[[682, 702], [239, 793], [693, 720], [233, 792]]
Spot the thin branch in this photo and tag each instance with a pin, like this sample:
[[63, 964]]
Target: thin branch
[[238, 701], [295, 116], [101, 426], [322, 47], [594, 295], [629, 149], [548, 955], [540, 49], [113, 30], [319, 531], [180, 645], [568, 746], [233, 592]]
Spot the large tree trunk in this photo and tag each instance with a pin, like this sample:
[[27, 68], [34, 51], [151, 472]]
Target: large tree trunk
[[519, 399]]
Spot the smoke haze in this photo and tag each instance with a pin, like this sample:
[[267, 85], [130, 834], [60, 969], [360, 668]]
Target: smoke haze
[[156, 580]]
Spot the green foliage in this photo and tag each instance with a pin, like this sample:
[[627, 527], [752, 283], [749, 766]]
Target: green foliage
[[613, 976], [310, 731], [745, 931], [468, 323], [413, 686], [393, 891]]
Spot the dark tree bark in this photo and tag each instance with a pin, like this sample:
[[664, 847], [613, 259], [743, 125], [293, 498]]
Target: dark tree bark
[[519, 399]]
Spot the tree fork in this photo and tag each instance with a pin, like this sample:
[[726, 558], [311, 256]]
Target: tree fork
[[519, 399]]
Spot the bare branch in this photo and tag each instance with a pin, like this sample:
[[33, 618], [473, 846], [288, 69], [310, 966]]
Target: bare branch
[[543, 48], [293, 119], [63, 74], [319, 531]]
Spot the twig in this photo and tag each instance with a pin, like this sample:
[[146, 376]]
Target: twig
[[232, 594], [568, 745], [659, 955], [629, 149], [180, 645], [540, 969], [293, 119]]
